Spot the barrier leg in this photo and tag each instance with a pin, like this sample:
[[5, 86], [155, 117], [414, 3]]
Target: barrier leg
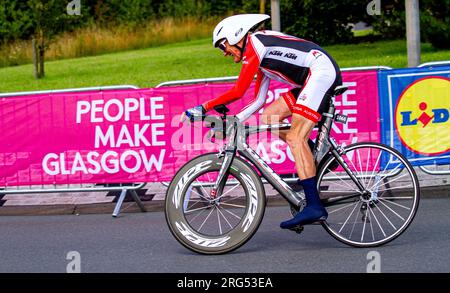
[[119, 203], [137, 200], [434, 172]]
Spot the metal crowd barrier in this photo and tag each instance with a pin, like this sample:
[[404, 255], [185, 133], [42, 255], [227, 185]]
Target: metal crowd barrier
[[63, 188], [424, 168], [124, 188], [434, 63], [233, 78]]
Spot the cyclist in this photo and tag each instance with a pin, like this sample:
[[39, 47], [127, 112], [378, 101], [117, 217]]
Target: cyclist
[[305, 66]]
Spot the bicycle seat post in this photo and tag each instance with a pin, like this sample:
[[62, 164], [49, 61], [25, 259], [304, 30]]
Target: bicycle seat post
[[330, 114], [322, 143]]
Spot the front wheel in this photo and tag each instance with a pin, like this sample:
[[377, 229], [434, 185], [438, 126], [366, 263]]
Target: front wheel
[[218, 223], [383, 209]]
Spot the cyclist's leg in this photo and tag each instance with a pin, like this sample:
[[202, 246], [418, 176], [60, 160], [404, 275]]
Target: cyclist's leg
[[305, 116], [281, 109], [297, 138], [275, 113]]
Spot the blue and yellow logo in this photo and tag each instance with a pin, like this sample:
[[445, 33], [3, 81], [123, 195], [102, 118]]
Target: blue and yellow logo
[[422, 116]]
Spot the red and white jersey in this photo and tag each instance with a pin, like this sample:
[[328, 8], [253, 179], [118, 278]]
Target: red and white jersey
[[274, 55]]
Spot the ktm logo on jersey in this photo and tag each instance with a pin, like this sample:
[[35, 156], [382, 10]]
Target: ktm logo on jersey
[[290, 56], [287, 55], [276, 53]]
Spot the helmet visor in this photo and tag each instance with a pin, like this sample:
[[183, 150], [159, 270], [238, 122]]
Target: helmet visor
[[222, 45]]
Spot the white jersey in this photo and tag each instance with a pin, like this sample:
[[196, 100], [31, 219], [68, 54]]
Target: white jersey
[[291, 60]]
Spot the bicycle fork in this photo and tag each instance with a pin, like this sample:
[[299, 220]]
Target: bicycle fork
[[228, 153]]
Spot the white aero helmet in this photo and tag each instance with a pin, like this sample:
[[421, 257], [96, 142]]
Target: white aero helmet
[[235, 27]]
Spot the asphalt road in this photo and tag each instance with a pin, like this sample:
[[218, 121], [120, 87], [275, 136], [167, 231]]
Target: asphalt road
[[141, 242]]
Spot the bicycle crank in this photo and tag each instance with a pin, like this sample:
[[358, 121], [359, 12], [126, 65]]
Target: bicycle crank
[[297, 229], [364, 211]]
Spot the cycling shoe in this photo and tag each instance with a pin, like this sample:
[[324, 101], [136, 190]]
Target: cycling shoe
[[308, 215], [297, 229]]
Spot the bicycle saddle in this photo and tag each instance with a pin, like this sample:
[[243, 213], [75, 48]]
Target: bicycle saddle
[[339, 90]]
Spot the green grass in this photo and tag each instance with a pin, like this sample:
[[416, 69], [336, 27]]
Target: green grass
[[186, 60], [95, 40], [387, 53], [363, 33]]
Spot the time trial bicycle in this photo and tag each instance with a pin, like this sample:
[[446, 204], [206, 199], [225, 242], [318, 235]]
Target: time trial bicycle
[[216, 201]]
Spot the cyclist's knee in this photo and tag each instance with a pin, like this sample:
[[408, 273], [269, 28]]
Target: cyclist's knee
[[275, 112], [269, 117], [297, 139], [265, 119], [294, 140]]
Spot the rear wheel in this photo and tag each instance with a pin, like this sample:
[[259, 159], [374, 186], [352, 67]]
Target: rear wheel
[[214, 224], [383, 210]]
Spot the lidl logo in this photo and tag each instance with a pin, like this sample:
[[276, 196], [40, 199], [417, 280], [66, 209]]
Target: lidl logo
[[439, 116], [422, 116]]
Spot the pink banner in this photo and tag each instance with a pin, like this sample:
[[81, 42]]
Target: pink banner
[[124, 136], [360, 103]]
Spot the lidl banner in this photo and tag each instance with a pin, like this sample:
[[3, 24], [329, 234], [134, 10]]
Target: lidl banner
[[415, 107], [123, 136]]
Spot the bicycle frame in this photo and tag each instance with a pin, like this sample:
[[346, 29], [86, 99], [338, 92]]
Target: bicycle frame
[[239, 133], [238, 143], [356, 206]]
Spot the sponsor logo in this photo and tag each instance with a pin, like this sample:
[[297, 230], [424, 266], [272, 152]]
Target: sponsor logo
[[238, 32], [316, 54], [422, 116], [303, 97], [290, 56], [306, 112], [276, 53], [284, 55], [253, 202], [199, 239], [177, 193]]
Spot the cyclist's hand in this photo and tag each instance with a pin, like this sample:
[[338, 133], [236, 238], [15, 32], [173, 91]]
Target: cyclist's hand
[[193, 114]]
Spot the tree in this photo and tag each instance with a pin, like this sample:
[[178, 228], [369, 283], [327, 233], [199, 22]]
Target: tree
[[434, 21], [322, 21], [15, 21], [49, 18]]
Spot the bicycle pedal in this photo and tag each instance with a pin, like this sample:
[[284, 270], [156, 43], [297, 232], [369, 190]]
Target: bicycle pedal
[[297, 229], [365, 219]]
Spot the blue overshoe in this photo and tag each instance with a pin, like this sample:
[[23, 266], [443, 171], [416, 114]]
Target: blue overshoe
[[308, 215], [313, 211]]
